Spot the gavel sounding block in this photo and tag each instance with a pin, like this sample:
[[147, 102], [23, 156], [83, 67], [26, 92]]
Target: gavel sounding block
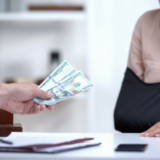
[[6, 124]]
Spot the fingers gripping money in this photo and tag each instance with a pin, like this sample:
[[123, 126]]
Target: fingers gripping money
[[65, 82]]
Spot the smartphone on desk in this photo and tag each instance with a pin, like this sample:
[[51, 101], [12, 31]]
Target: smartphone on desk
[[131, 147]]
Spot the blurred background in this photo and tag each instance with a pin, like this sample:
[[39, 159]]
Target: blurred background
[[93, 35]]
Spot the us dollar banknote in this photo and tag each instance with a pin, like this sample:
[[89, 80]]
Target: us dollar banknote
[[55, 76], [66, 75], [67, 88], [61, 78]]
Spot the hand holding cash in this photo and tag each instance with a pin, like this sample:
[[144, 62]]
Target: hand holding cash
[[64, 82]]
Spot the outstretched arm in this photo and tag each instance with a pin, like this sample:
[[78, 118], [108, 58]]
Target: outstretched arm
[[18, 98]]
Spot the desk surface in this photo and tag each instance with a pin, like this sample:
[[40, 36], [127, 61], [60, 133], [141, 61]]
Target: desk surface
[[103, 152]]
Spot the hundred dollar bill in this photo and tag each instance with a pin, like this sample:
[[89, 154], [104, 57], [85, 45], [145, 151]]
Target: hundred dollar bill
[[55, 76], [59, 79], [68, 88], [66, 75]]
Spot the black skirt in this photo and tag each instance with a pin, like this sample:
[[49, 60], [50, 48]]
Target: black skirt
[[138, 105]]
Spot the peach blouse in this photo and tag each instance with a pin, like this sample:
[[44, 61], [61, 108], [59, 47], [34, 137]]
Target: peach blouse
[[144, 56]]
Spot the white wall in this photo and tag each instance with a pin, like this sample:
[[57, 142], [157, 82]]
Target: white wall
[[110, 27], [25, 47]]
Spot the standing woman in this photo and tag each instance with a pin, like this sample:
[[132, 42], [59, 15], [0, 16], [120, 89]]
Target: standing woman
[[138, 105]]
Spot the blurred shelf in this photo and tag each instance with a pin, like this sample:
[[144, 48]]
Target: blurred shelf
[[44, 16]]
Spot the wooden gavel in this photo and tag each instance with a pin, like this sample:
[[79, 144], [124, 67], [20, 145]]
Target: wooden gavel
[[6, 124]]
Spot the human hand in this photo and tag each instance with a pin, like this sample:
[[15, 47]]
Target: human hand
[[18, 98], [153, 131]]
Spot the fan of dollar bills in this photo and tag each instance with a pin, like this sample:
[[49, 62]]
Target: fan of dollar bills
[[64, 82]]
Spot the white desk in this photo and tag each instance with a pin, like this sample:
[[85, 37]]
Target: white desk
[[103, 152]]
